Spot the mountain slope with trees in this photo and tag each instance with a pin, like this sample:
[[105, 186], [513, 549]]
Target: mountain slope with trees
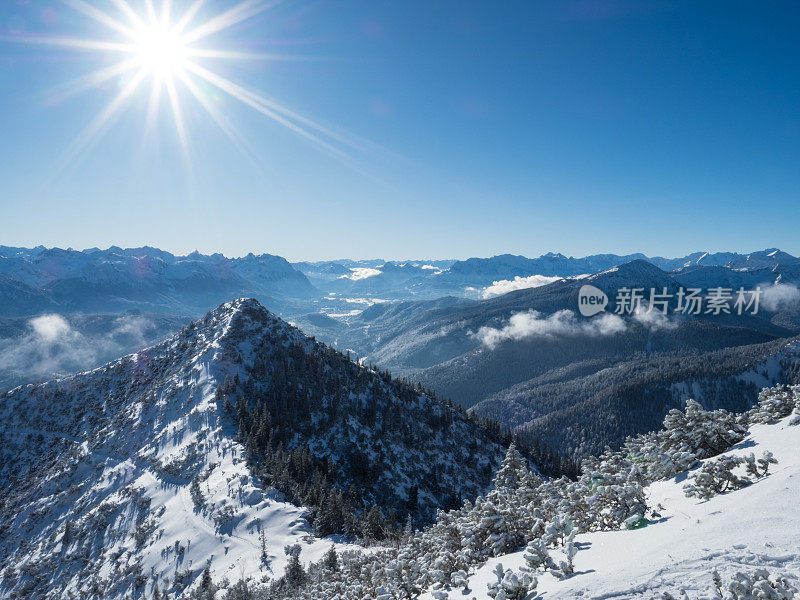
[[630, 527], [213, 450]]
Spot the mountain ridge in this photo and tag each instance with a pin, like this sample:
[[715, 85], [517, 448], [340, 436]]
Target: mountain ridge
[[134, 473]]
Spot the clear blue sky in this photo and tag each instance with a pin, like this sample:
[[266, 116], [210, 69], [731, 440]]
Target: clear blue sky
[[487, 127]]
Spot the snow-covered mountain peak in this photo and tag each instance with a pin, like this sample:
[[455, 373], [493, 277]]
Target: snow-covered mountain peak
[[633, 274], [130, 473], [154, 467]]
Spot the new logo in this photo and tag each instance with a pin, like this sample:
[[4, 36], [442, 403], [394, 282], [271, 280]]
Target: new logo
[[591, 300]]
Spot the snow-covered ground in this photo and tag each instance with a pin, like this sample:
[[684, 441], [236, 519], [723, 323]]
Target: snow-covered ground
[[756, 527]]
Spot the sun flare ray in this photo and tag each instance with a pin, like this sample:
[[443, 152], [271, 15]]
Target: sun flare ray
[[177, 113], [166, 9], [151, 12], [159, 41], [91, 80], [241, 12], [229, 130], [255, 102], [99, 16], [136, 21], [94, 130], [188, 16], [153, 105], [71, 43]]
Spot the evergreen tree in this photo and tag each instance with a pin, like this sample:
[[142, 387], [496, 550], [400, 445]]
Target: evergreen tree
[[331, 560], [374, 526], [295, 575]]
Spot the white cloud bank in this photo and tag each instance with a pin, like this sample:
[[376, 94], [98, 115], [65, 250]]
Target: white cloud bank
[[48, 328], [530, 324], [51, 346], [654, 320], [357, 273], [518, 283], [780, 295]]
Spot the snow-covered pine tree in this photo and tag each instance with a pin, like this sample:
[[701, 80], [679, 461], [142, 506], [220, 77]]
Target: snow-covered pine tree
[[716, 477], [509, 585], [566, 567], [295, 575], [558, 530], [374, 525], [537, 556], [511, 470], [615, 491], [331, 559], [502, 521], [758, 584], [775, 403]]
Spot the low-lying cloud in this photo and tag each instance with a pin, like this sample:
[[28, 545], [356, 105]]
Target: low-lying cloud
[[655, 320], [562, 323], [48, 328], [778, 296], [518, 283], [51, 346], [357, 273]]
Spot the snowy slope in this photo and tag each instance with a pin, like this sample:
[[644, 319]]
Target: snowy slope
[[756, 527], [137, 472], [113, 453]]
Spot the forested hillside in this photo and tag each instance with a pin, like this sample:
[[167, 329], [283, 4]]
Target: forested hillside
[[213, 450]]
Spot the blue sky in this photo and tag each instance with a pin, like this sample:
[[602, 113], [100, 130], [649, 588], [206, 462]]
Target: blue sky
[[478, 128]]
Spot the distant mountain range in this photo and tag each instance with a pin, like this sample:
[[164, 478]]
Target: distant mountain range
[[433, 278], [418, 334], [38, 280], [421, 319], [587, 371]]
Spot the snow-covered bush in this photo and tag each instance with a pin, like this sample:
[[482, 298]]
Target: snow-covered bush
[[717, 476], [460, 579], [509, 585], [775, 404], [795, 420], [537, 556], [755, 586], [566, 567], [758, 468], [558, 530], [687, 437], [614, 492]]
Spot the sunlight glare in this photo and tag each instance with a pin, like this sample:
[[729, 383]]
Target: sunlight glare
[[166, 53], [161, 51]]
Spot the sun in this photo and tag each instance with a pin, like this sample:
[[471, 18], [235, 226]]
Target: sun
[[161, 51], [162, 47]]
